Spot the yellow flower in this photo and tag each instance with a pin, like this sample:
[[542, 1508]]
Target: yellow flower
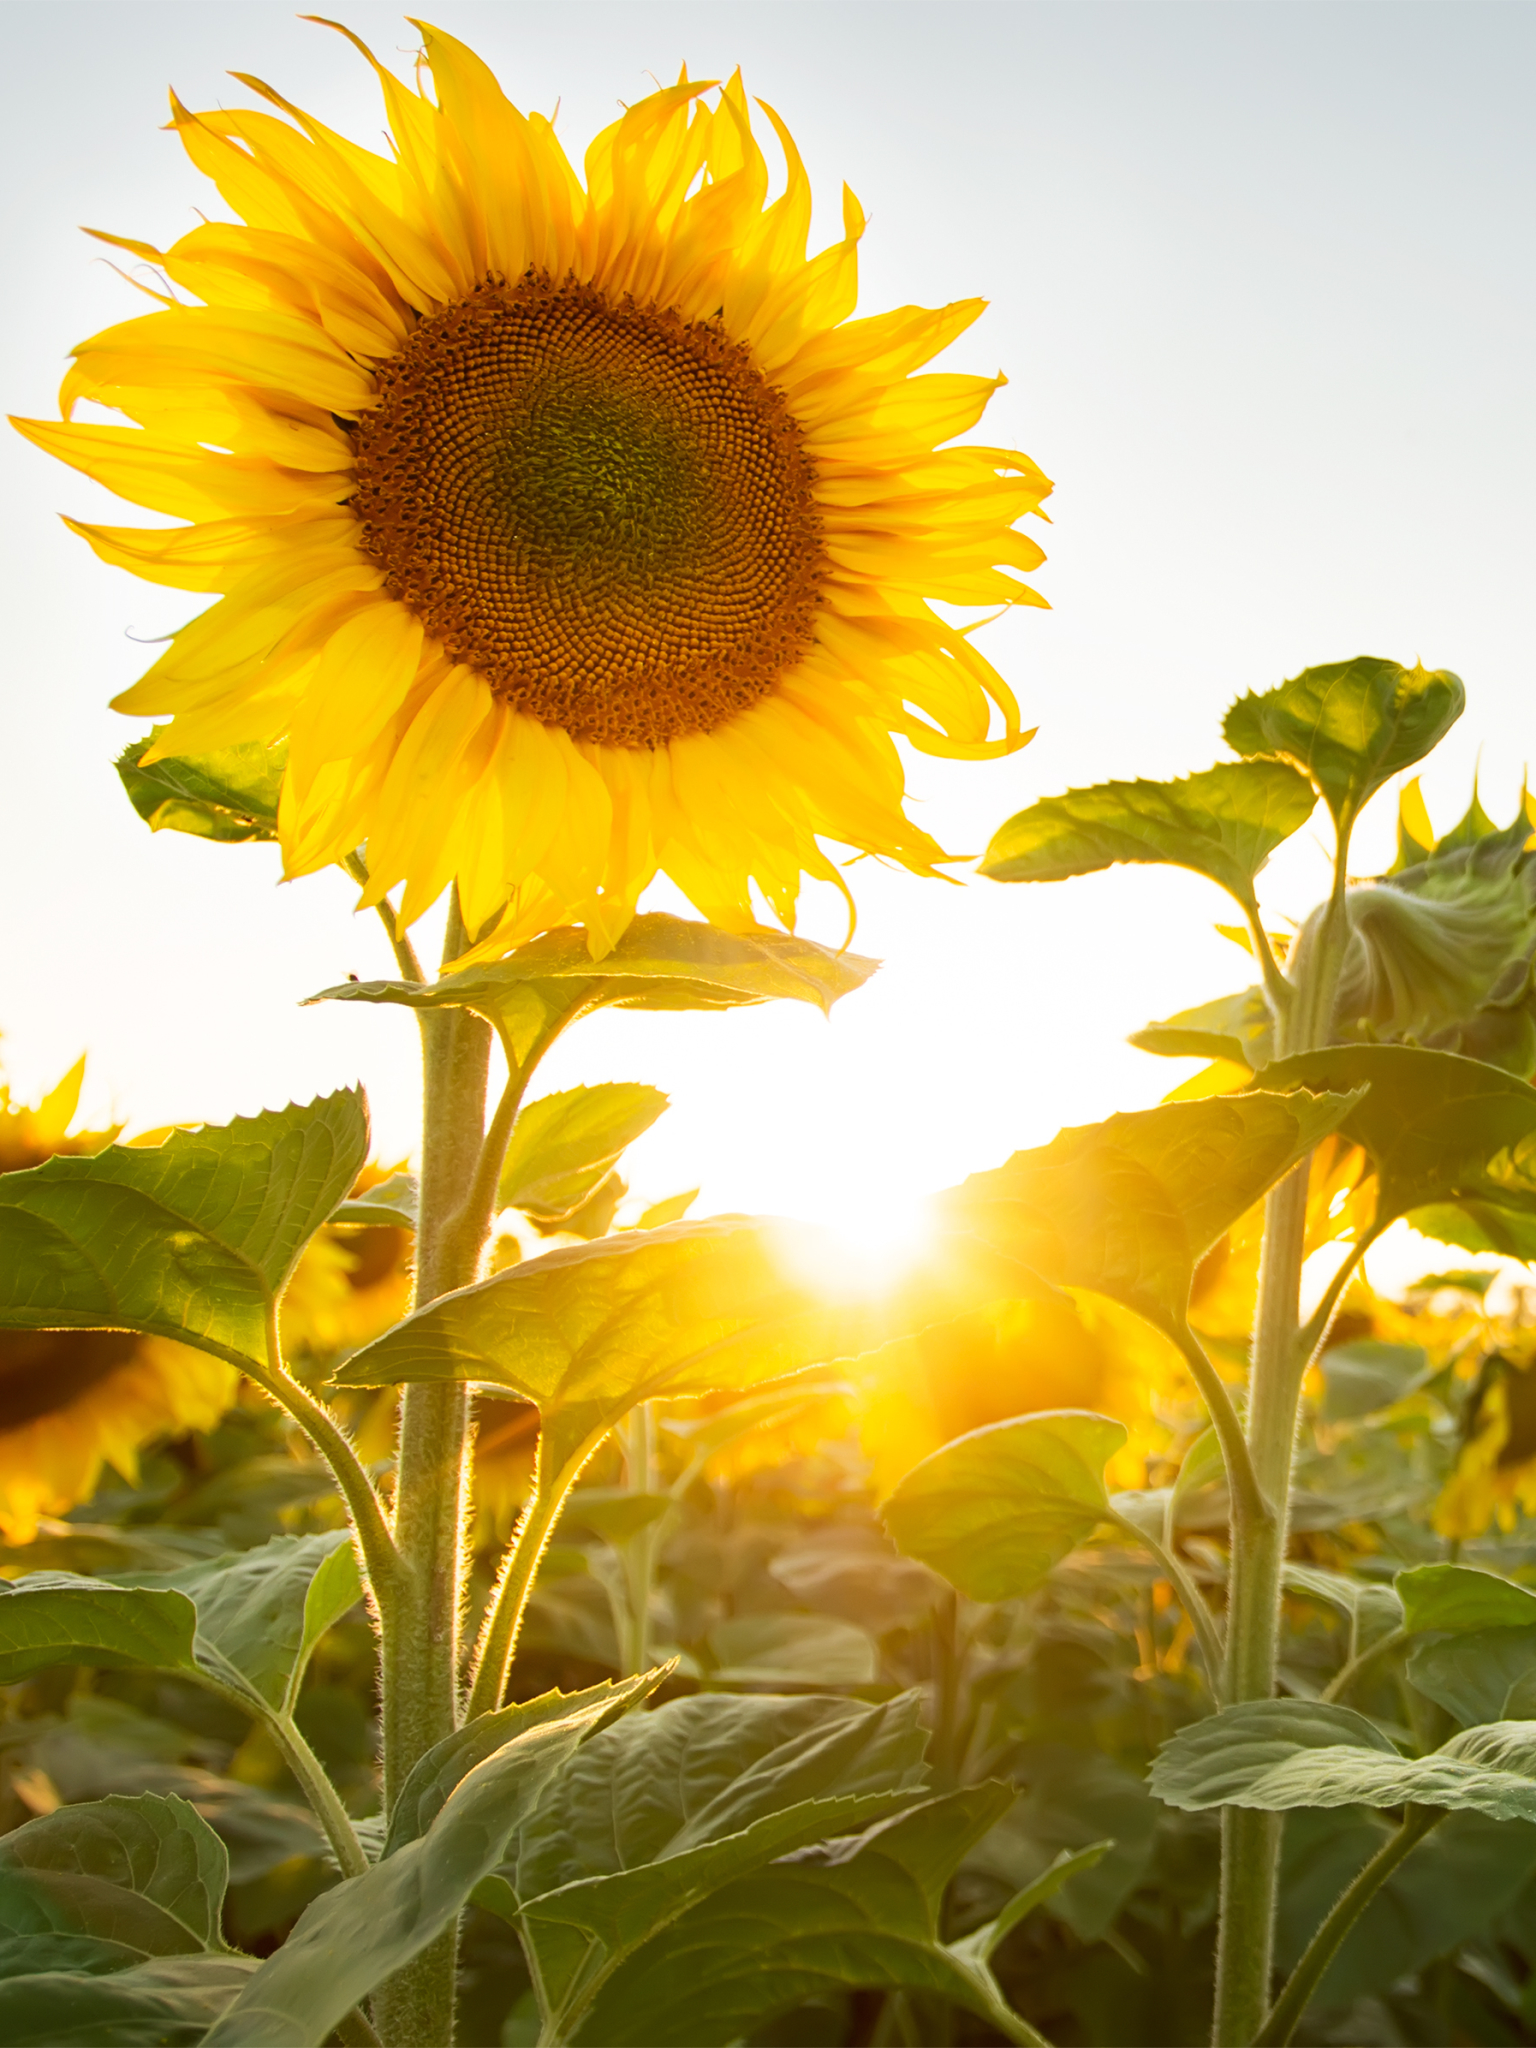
[[1017, 1358], [72, 1401], [1495, 1475], [569, 533], [353, 1282]]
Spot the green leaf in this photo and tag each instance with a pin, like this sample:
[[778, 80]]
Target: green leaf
[[1480, 1676], [1130, 1206], [782, 1650], [1224, 824], [1073, 1799], [996, 1510], [1237, 1028], [230, 795], [146, 1872], [83, 1955], [1459, 1597], [564, 1144], [1438, 1128], [612, 1512], [166, 2003], [587, 1332], [1478, 1227], [1361, 1377], [370, 1926], [257, 1607], [660, 963], [1350, 725], [54, 1618], [859, 1914], [1277, 1754], [663, 1809], [983, 1943], [391, 1205], [1372, 1610], [437, 1774], [192, 1239]]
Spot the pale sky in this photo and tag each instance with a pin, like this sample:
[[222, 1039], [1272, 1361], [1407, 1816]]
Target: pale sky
[[1261, 279]]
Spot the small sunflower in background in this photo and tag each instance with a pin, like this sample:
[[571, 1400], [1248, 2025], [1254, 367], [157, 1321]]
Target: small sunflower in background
[[567, 533], [1017, 1358], [75, 1401], [352, 1283], [1494, 1480]]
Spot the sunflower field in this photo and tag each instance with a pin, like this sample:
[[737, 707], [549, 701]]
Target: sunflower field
[[445, 1601]]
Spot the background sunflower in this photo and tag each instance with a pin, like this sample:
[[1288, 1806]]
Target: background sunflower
[[74, 1401]]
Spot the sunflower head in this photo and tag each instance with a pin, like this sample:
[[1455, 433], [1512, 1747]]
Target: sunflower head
[[73, 1401], [566, 530]]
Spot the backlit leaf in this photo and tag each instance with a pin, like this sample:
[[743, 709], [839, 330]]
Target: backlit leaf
[[1235, 1028], [1224, 824], [230, 796], [995, 1510], [190, 1239], [587, 1332], [1438, 1128], [1130, 1206], [563, 1145], [1461, 1598], [1350, 725]]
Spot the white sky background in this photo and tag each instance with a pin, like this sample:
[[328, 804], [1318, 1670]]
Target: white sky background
[[1261, 277]]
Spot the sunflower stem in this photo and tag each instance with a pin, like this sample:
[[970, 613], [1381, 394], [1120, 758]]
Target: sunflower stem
[[421, 1653], [1250, 1841]]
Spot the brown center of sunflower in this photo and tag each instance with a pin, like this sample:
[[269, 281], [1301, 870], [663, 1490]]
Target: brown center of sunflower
[[603, 508], [42, 1371]]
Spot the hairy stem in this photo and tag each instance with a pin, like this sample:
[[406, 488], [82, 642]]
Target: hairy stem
[[1250, 1841], [380, 1558], [1280, 992], [1329, 1938], [421, 1653], [1247, 1495], [504, 1617], [404, 951]]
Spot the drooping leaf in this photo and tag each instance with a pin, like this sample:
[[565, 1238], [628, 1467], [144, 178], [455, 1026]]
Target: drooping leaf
[[55, 1618], [437, 1774], [1459, 1597], [1074, 1798], [255, 1606], [860, 1914], [1349, 725], [165, 2003], [589, 1331], [783, 1650], [230, 796], [371, 1925], [1237, 1028], [146, 1872], [1130, 1206], [564, 1144], [1224, 824], [1438, 1128], [996, 1510], [391, 1205], [1476, 1226], [660, 963], [1478, 1676], [1368, 1374], [983, 1943], [190, 1239], [1277, 1754], [670, 1806]]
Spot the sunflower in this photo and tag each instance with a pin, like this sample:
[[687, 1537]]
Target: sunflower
[[568, 533], [73, 1401]]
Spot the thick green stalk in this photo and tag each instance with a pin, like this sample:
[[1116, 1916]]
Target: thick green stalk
[[1250, 1842], [1329, 1938], [421, 1651]]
